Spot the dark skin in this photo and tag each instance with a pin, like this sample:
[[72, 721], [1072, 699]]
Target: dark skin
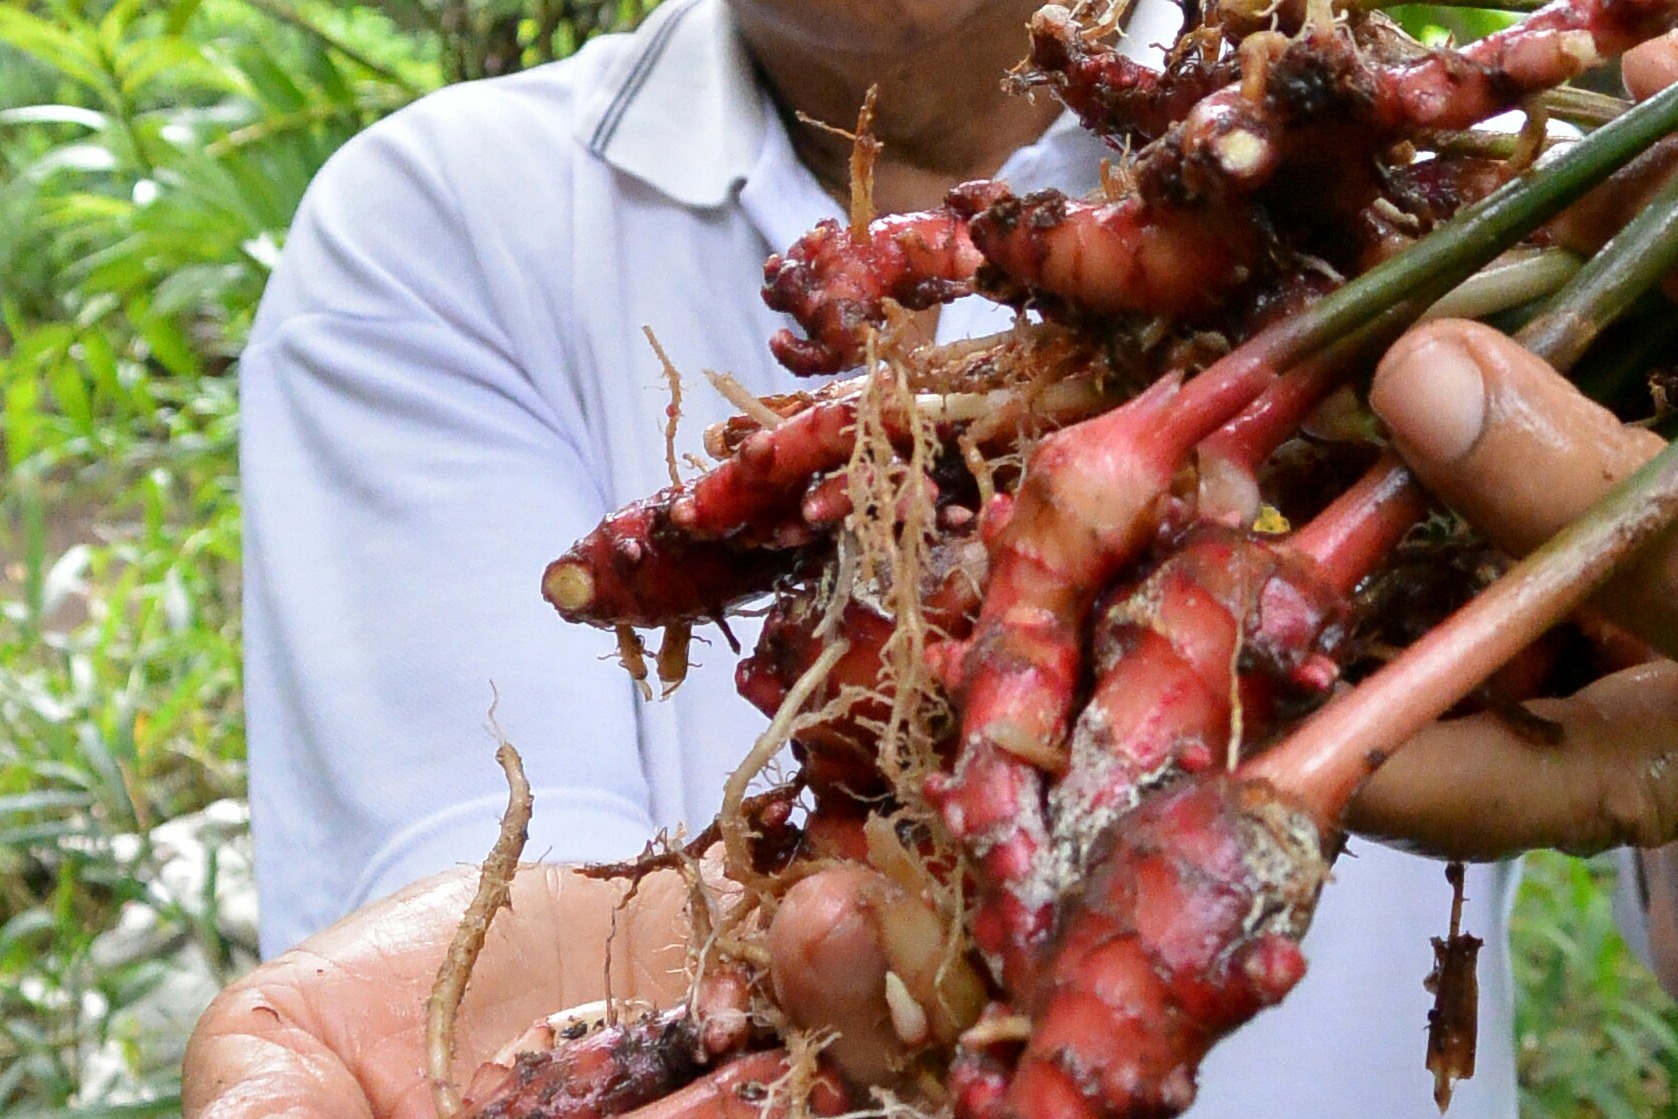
[[335, 1027], [1513, 446], [1505, 440], [941, 115]]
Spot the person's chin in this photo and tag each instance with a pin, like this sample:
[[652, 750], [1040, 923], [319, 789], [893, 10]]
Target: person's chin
[[866, 26]]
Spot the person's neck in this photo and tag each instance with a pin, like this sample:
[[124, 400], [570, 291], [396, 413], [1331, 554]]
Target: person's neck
[[940, 115]]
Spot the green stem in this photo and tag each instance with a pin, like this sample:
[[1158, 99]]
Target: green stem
[[122, 111], [1332, 753], [1459, 247], [304, 118], [1230, 456], [1514, 279], [1645, 250], [1477, 143], [1481, 5], [1583, 107]]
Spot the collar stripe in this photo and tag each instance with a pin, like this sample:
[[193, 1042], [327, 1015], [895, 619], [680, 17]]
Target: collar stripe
[[631, 87]]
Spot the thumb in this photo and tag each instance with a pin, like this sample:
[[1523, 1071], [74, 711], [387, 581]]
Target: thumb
[[1508, 443]]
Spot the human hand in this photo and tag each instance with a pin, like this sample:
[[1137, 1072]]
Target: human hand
[[1510, 444], [335, 1028], [1494, 432]]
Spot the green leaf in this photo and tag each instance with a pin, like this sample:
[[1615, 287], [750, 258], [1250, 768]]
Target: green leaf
[[193, 287], [81, 159], [122, 267], [40, 800], [55, 46], [69, 390], [114, 25], [169, 344], [23, 419], [270, 81], [1658, 1029], [50, 831], [25, 926], [325, 74], [180, 14], [84, 206], [100, 361], [182, 64]]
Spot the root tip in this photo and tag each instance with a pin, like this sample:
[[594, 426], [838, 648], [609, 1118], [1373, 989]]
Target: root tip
[[568, 586]]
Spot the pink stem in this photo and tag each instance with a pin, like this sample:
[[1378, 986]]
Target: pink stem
[[1349, 538], [1267, 422], [1328, 757], [1222, 389], [1233, 382], [1229, 458]]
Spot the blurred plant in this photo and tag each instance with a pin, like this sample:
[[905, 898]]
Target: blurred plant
[[157, 183], [150, 185], [1596, 1037], [152, 153], [486, 38], [1437, 24]]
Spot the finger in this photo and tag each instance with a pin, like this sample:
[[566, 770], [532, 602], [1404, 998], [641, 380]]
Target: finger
[[245, 1060], [1650, 67], [1497, 434], [1477, 788], [289, 1038], [337, 1026], [1500, 437]]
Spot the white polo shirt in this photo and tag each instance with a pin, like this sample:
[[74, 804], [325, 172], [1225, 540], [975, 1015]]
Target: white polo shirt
[[447, 384]]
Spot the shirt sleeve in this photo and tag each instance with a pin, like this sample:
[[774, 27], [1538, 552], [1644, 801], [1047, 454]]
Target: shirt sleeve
[[405, 482], [1630, 903]]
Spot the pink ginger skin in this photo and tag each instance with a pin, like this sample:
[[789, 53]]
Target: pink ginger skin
[[836, 285], [1163, 955], [1092, 498], [1122, 257], [635, 569]]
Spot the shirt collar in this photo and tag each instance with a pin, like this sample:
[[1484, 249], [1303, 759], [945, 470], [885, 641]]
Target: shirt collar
[[682, 109]]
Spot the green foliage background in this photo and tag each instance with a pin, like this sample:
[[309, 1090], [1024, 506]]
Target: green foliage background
[[151, 156]]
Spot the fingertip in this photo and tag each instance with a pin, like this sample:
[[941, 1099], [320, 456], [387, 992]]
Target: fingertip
[[1430, 391], [1650, 67], [1496, 433]]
